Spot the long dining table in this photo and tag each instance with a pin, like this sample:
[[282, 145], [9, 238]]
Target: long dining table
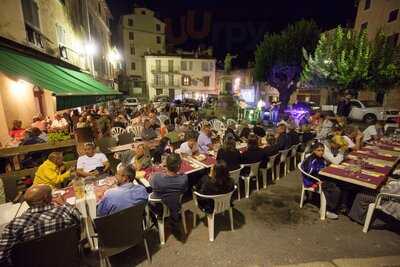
[[368, 167]]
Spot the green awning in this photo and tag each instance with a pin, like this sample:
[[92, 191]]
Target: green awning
[[72, 88]]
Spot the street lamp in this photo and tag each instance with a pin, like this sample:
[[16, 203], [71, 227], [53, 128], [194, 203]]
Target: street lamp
[[90, 49]]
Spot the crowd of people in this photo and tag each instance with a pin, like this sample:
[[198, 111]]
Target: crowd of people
[[179, 136]]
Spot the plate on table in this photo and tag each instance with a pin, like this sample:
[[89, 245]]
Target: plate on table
[[200, 157]]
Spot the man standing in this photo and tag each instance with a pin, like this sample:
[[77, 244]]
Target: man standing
[[170, 187], [52, 172], [344, 106], [126, 195], [42, 218]]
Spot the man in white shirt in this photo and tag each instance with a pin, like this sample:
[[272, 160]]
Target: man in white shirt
[[59, 123], [92, 163], [189, 147], [204, 140], [373, 131], [328, 155], [326, 128]]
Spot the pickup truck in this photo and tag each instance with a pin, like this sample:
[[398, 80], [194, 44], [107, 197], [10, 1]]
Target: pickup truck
[[367, 111]]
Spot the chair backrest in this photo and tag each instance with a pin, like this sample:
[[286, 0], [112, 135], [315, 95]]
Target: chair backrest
[[235, 174], [231, 121], [120, 231], [284, 154], [135, 129], [166, 211], [254, 168], [271, 161], [125, 138], [115, 131], [163, 118], [307, 174], [221, 202], [217, 125], [59, 249], [294, 148], [10, 187], [202, 123]]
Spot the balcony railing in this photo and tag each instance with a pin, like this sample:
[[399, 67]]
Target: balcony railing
[[164, 84], [164, 69], [34, 36]]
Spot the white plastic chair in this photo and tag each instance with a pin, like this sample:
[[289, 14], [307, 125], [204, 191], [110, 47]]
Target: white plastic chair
[[202, 123], [307, 150], [163, 118], [270, 166], [231, 121], [318, 190], [161, 219], [283, 160], [222, 203], [293, 154], [254, 168], [376, 205], [136, 130], [218, 126], [115, 131], [235, 175]]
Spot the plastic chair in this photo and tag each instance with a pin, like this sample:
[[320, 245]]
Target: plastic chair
[[162, 118], [115, 131], [283, 159], [293, 154], [202, 123], [231, 121], [270, 166], [218, 126], [31, 253], [254, 168], [318, 190], [222, 203], [376, 205], [120, 231], [307, 150], [165, 214], [136, 130], [235, 175]]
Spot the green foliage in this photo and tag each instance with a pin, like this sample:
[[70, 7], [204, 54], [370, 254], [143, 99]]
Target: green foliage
[[58, 136], [345, 59], [285, 48]]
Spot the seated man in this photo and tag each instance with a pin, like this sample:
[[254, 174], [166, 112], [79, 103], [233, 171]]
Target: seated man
[[282, 139], [190, 147], [373, 132], [59, 123], [42, 218], [169, 187], [52, 172], [125, 195], [92, 163], [204, 139]]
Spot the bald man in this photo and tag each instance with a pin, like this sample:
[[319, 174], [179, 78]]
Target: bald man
[[52, 172], [42, 218]]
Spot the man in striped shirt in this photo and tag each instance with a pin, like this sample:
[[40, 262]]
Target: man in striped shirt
[[42, 218]]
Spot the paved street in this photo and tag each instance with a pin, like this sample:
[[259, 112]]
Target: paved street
[[270, 230]]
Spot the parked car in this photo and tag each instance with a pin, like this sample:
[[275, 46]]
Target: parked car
[[367, 111], [131, 102]]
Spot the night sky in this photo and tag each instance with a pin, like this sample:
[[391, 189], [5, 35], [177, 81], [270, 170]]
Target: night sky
[[237, 26]]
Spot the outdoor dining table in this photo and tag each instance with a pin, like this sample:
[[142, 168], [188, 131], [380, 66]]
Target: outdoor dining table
[[365, 167], [95, 190]]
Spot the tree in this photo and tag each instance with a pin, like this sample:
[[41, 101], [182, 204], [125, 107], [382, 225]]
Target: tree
[[279, 60], [384, 69], [341, 60]]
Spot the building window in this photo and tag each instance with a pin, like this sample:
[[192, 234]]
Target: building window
[[158, 79], [184, 65], [159, 91], [204, 66], [190, 65], [158, 65], [131, 36], [133, 66], [158, 27], [171, 79], [170, 65], [364, 26], [367, 4], [393, 15], [206, 81], [132, 50], [130, 22], [186, 80], [211, 66], [393, 39], [158, 40], [31, 13]]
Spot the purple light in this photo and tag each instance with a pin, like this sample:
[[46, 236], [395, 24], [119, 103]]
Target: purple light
[[297, 114]]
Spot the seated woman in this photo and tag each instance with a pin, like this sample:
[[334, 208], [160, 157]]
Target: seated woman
[[312, 165], [161, 149], [253, 153], [148, 132], [230, 154], [138, 157], [17, 132], [217, 183]]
